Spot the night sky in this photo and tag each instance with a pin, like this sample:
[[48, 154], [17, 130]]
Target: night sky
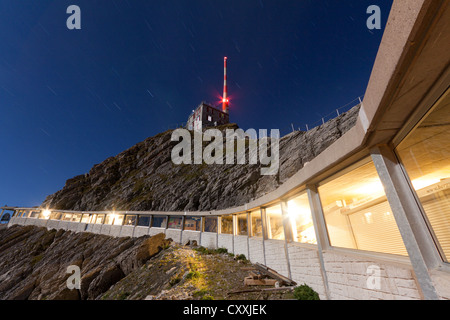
[[69, 99]]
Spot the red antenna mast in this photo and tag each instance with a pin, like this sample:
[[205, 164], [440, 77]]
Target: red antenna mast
[[225, 93]]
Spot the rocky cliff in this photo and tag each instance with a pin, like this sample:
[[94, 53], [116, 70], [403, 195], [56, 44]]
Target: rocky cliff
[[34, 263], [144, 177]]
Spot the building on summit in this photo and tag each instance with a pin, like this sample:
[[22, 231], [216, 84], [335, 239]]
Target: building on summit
[[207, 115]]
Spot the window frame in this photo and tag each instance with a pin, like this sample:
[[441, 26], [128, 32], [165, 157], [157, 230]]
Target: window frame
[[406, 131]]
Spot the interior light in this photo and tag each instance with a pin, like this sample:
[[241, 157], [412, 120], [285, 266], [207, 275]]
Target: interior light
[[423, 183], [370, 188], [46, 213]]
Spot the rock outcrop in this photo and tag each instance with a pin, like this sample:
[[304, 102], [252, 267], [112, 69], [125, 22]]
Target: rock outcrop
[[144, 177], [34, 261]]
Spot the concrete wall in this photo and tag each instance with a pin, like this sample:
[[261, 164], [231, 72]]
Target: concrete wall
[[305, 267], [208, 240], [226, 241], [154, 231], [241, 245], [347, 274], [141, 231], [276, 256], [174, 234], [190, 236], [126, 231], [256, 250]]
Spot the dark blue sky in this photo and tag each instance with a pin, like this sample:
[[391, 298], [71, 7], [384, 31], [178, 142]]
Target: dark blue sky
[[71, 98]]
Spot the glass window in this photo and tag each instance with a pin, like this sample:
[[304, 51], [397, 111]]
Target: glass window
[[159, 221], [299, 215], [100, 219], [67, 217], [193, 223], [76, 217], [109, 219], [256, 223], [93, 218], [226, 224], [357, 213], [143, 221], [242, 224], [425, 154], [210, 224], [130, 220], [118, 219], [85, 218], [175, 222], [275, 228], [55, 216], [34, 214]]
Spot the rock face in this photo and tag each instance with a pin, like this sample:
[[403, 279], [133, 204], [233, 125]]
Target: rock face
[[145, 178], [34, 261]]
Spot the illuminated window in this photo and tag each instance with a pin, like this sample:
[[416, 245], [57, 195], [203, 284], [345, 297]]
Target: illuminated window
[[55, 216], [130, 220], [109, 218], [275, 228], [299, 215], [85, 218], [193, 223], [210, 224], [159, 221], [242, 224], [76, 217], [93, 218], [357, 213], [67, 217], [118, 219], [100, 219], [425, 154], [226, 224], [256, 223], [143, 221], [209, 118], [175, 222]]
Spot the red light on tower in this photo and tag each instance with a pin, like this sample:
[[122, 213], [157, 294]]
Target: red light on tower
[[225, 93]]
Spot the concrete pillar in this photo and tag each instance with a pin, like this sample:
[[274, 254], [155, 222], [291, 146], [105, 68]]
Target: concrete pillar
[[320, 229], [249, 233], [287, 234], [408, 216], [264, 232]]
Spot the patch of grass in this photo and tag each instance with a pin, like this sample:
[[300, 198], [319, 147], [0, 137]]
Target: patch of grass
[[305, 292], [241, 257], [193, 274], [207, 297], [203, 250], [200, 293]]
